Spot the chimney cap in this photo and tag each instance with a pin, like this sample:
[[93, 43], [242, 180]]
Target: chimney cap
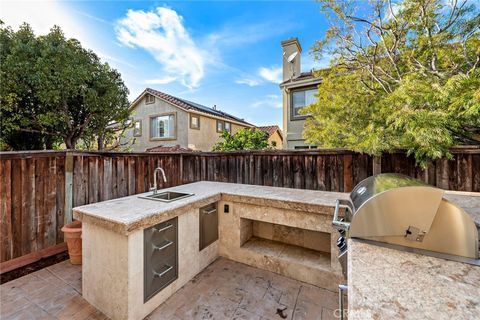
[[293, 40]]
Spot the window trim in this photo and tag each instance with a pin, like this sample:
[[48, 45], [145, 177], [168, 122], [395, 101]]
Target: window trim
[[294, 117], [147, 96], [191, 124], [216, 126], [141, 127], [160, 115]]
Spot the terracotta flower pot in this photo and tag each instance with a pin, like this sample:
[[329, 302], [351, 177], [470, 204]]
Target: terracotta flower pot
[[73, 237]]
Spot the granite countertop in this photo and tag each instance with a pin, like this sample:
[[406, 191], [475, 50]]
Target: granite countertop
[[127, 214], [384, 283]]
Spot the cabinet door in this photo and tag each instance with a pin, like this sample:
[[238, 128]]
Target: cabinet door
[[208, 225]]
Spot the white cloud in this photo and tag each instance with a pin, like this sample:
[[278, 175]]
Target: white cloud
[[269, 101], [161, 33], [273, 74], [164, 80], [249, 82]]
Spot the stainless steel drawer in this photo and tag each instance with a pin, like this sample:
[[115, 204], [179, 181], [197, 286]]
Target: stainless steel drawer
[[208, 225], [160, 257], [161, 275], [164, 231]]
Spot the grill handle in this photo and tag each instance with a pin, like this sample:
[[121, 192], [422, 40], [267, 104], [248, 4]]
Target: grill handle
[[336, 222], [341, 289]]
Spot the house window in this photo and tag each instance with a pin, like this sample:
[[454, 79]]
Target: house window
[[194, 122], [274, 143], [219, 126], [228, 126], [137, 128], [300, 99], [162, 126], [149, 99], [305, 147]]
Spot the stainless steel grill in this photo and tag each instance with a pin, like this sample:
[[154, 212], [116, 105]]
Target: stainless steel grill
[[406, 214]]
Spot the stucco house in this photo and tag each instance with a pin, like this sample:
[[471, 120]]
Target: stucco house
[[162, 120], [298, 90], [275, 136]]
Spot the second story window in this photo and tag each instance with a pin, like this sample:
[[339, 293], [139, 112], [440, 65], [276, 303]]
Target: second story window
[[228, 127], [300, 99], [162, 126], [149, 99], [137, 128], [219, 126], [194, 122]]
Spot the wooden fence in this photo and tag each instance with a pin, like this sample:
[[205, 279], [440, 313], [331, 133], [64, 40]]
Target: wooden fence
[[38, 189]]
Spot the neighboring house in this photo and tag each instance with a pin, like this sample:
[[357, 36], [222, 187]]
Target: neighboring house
[[298, 90], [275, 136], [162, 120]]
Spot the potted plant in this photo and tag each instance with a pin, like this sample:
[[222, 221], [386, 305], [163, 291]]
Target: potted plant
[[73, 237]]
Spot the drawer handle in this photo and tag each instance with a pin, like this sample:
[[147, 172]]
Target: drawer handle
[[161, 274], [160, 248], [210, 212], [163, 229]]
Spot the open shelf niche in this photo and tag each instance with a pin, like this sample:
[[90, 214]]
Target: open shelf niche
[[307, 247]]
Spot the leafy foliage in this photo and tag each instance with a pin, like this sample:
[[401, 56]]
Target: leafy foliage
[[53, 90], [244, 139], [404, 75]]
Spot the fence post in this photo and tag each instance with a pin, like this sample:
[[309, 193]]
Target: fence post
[[377, 165], [68, 187]]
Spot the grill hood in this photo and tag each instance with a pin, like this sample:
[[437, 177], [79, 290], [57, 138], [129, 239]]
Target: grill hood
[[403, 211]]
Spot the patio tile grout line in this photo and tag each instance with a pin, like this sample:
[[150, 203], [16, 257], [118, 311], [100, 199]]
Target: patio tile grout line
[[296, 300], [64, 281]]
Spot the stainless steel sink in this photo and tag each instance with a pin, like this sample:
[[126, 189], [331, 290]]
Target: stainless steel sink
[[167, 196]]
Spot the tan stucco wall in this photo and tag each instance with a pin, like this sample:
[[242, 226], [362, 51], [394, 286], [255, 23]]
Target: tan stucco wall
[[143, 111], [207, 136], [277, 138]]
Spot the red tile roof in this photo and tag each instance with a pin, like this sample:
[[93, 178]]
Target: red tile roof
[[161, 148], [271, 130], [189, 105]]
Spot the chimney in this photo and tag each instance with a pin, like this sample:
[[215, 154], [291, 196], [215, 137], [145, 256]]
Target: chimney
[[289, 47], [214, 107]]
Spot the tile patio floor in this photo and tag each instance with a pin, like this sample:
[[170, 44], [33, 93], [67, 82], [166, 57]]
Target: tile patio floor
[[224, 290]]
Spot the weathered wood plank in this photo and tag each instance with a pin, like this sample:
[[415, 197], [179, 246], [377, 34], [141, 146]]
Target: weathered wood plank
[[17, 207], [476, 172], [6, 210], [60, 197], [50, 216]]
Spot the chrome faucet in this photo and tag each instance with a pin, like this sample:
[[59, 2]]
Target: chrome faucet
[[154, 188]]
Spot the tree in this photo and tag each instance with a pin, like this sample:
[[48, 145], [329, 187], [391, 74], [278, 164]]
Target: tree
[[404, 75], [54, 90], [244, 139]]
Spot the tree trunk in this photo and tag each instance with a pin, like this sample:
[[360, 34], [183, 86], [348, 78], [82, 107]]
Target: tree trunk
[[70, 142], [100, 142]]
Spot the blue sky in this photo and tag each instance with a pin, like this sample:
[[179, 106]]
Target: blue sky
[[219, 52]]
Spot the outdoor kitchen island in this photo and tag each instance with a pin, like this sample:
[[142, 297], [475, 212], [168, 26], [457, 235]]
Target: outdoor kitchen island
[[287, 231]]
